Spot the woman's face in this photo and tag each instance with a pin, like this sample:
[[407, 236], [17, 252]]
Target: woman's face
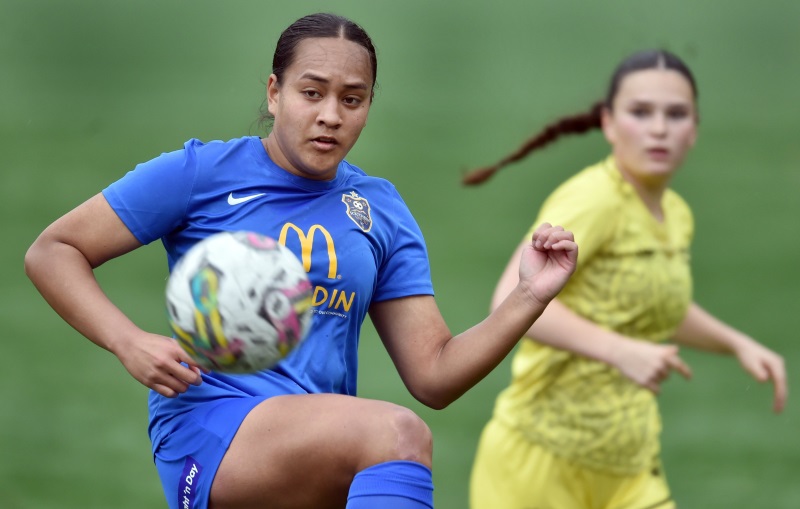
[[320, 107], [651, 125]]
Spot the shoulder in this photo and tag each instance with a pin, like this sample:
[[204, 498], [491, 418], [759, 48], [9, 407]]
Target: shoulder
[[675, 206], [216, 149], [675, 201], [597, 186], [376, 197], [195, 150], [354, 176]]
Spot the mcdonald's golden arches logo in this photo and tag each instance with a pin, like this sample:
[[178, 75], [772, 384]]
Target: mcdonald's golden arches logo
[[307, 243]]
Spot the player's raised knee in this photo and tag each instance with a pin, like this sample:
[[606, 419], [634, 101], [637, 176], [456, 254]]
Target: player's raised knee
[[414, 437], [402, 435]]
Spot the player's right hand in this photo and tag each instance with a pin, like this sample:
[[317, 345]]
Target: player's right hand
[[155, 361], [649, 364]]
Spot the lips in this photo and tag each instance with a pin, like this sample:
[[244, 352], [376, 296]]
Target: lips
[[325, 142], [658, 153]]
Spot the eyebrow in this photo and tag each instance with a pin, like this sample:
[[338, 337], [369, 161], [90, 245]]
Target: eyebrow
[[648, 102], [315, 77]]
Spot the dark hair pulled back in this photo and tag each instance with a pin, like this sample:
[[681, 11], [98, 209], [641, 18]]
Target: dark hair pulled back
[[314, 26], [320, 25], [591, 119]]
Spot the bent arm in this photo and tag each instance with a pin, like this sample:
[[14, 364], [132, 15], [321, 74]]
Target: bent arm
[[438, 367], [646, 364], [60, 263], [559, 326]]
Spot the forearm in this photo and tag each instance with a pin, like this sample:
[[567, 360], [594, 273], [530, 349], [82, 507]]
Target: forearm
[[562, 328], [66, 281], [438, 367], [703, 331], [468, 357]]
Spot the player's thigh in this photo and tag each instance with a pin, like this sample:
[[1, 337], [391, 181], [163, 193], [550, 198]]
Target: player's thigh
[[304, 450], [510, 472]]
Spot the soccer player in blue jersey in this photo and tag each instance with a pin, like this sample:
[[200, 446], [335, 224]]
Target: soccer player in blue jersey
[[294, 436]]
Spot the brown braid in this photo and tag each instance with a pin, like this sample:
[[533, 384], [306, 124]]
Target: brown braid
[[574, 124]]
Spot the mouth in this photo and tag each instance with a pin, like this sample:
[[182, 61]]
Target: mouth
[[658, 153], [325, 142]]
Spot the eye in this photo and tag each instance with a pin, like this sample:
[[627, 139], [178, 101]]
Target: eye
[[352, 100], [640, 111], [677, 113], [312, 94]]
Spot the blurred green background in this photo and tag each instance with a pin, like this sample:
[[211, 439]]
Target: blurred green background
[[90, 88]]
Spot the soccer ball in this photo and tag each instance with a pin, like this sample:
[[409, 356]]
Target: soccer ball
[[238, 302]]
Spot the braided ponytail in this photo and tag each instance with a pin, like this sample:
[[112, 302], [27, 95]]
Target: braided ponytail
[[581, 123], [573, 124]]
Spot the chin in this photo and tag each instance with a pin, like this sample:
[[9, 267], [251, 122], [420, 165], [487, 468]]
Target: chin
[[659, 167], [320, 171]]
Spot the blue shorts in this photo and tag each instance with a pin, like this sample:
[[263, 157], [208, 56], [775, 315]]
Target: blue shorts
[[191, 442]]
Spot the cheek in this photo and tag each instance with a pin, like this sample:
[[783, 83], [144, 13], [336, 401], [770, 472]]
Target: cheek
[[687, 136], [360, 117], [629, 130]]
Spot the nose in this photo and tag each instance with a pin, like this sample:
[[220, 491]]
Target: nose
[[658, 126], [329, 113]]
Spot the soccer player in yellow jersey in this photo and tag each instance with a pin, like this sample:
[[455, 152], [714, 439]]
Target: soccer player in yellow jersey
[[578, 427]]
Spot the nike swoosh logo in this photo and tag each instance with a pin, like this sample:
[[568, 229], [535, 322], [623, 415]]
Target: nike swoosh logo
[[236, 201]]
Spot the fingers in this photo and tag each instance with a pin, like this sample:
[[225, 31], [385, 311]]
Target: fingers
[[164, 390], [176, 380], [547, 236], [540, 230], [778, 375], [676, 364], [192, 374], [665, 360], [555, 238], [161, 364], [173, 371], [766, 365]]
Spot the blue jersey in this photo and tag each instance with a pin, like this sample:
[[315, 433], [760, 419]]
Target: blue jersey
[[354, 234]]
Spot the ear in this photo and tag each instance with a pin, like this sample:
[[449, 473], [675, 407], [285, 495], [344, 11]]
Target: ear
[[273, 91], [607, 124]]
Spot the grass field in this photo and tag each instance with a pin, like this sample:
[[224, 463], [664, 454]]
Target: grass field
[[89, 88]]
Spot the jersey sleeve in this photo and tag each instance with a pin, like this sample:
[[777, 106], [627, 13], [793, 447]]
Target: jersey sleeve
[[152, 198], [406, 269], [582, 206]]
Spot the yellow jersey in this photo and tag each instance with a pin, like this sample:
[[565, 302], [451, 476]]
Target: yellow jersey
[[632, 277]]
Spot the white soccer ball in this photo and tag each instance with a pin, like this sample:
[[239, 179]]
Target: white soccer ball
[[238, 302]]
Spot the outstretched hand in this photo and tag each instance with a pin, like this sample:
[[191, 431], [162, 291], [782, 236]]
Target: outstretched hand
[[548, 262]]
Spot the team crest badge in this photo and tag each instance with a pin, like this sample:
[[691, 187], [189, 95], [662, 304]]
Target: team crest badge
[[358, 210]]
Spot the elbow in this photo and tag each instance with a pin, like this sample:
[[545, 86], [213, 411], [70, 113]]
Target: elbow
[[30, 262], [39, 257], [435, 404], [440, 404], [436, 399]]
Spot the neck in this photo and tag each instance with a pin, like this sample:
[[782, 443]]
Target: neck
[[651, 192]]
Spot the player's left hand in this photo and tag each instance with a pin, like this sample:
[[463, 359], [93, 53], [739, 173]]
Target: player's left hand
[[765, 365], [548, 262]]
